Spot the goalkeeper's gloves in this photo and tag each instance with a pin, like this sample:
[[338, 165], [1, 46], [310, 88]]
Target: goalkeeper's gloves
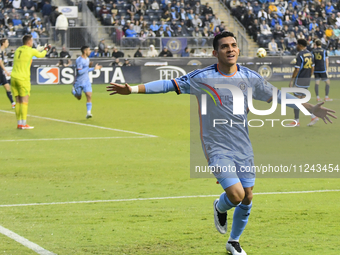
[[47, 47], [40, 48]]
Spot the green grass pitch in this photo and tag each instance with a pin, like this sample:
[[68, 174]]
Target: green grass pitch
[[54, 163]]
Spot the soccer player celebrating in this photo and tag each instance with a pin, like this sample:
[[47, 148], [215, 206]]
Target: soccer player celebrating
[[21, 77], [224, 145], [320, 70], [3, 72], [304, 68], [82, 80]]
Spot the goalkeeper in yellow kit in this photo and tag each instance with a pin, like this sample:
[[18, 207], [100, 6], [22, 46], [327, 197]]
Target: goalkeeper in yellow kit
[[21, 77]]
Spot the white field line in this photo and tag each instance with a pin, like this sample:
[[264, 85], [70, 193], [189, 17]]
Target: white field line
[[83, 124], [25, 242], [65, 139], [163, 198]]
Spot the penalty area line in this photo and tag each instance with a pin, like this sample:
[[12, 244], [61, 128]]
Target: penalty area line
[[79, 138], [83, 124], [25, 242], [163, 198]]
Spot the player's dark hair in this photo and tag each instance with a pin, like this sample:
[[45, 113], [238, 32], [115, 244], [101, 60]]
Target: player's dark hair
[[2, 41], [318, 42], [302, 42], [26, 38], [83, 48], [223, 34]]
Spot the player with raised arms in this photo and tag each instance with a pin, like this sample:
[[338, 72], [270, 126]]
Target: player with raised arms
[[224, 146], [320, 70], [82, 82], [21, 77], [3, 72]]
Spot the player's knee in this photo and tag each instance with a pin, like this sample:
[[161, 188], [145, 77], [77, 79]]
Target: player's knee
[[248, 198], [236, 196]]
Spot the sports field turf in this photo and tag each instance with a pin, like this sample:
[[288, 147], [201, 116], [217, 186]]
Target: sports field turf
[[57, 162]]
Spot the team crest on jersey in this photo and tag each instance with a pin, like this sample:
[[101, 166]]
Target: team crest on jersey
[[48, 75], [242, 85]]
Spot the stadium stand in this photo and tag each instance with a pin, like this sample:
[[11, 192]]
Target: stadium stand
[[287, 21]]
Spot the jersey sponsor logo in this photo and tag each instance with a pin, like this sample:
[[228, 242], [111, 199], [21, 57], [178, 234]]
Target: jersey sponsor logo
[[48, 75]]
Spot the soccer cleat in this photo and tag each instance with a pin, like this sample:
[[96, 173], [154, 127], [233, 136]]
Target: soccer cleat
[[293, 124], [19, 127], [88, 116], [13, 105], [318, 99], [220, 219], [327, 99], [26, 127], [235, 248], [313, 121]]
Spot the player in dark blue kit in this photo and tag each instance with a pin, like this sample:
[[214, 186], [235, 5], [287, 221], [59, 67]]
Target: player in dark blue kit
[[304, 69], [320, 70], [3, 72]]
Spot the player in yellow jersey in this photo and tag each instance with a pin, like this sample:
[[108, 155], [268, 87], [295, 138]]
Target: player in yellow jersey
[[21, 77]]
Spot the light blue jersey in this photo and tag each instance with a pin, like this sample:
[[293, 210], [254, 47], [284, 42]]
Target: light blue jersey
[[225, 140], [82, 82]]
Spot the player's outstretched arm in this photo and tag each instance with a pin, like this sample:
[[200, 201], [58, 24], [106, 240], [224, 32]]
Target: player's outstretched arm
[[321, 112], [155, 87], [125, 89]]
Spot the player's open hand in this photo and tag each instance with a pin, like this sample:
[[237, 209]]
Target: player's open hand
[[323, 112], [97, 67], [119, 89]]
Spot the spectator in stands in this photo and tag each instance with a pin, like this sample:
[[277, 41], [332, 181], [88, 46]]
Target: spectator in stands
[[313, 25], [184, 28], [62, 64], [299, 22], [216, 20], [167, 32], [278, 33], [101, 46], [114, 9], [272, 8], [116, 63], [142, 9], [331, 51], [116, 53], [207, 10], [173, 26], [336, 32], [147, 4], [7, 20], [155, 5], [40, 28], [61, 26], [276, 20], [217, 31], [280, 11], [254, 30], [286, 19], [186, 52], [35, 37], [198, 8], [137, 27], [325, 42], [53, 53], [126, 62], [28, 4], [300, 35], [152, 52], [248, 19], [294, 3], [338, 19], [182, 14], [233, 5], [323, 18], [262, 14], [179, 32], [197, 34], [105, 53], [64, 53], [178, 7], [331, 20], [160, 32], [256, 8], [273, 48], [282, 47], [95, 53], [138, 53], [26, 21], [329, 8], [240, 11], [163, 24], [53, 18], [46, 12], [165, 52], [294, 16], [16, 4], [133, 9], [166, 16], [17, 21], [291, 42], [319, 32], [174, 14], [10, 30], [151, 33], [265, 29], [196, 22]]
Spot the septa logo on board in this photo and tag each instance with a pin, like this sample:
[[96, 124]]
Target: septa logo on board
[[48, 75]]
